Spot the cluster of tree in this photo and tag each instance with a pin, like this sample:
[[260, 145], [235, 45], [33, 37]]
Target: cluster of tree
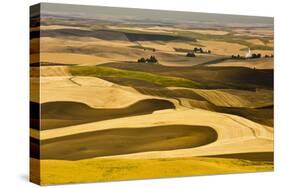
[[253, 56], [269, 56], [190, 54], [152, 59], [200, 50]]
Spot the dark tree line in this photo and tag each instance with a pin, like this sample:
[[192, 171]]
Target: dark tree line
[[253, 56], [269, 56]]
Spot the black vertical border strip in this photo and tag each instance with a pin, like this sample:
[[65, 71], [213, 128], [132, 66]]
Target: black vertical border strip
[[34, 108]]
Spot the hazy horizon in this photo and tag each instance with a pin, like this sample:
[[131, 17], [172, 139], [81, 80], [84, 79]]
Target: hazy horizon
[[148, 15]]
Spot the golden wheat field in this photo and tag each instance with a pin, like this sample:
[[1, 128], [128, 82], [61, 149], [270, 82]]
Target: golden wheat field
[[112, 96]]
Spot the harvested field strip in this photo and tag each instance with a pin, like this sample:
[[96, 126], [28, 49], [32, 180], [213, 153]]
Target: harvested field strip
[[255, 156], [230, 38], [170, 93], [223, 98], [64, 113], [58, 70], [235, 134], [99, 71], [126, 140], [148, 88], [218, 97], [210, 77], [262, 63], [260, 115], [235, 98], [58, 172], [238, 102], [134, 83], [194, 36]]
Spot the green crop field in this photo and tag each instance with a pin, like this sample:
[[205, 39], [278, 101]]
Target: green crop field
[[167, 81]]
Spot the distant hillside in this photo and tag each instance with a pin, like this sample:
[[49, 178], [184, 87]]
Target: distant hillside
[[107, 35]]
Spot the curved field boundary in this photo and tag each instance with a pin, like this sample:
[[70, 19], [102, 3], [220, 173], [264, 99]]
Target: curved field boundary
[[95, 92], [235, 134], [65, 113], [125, 141]]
